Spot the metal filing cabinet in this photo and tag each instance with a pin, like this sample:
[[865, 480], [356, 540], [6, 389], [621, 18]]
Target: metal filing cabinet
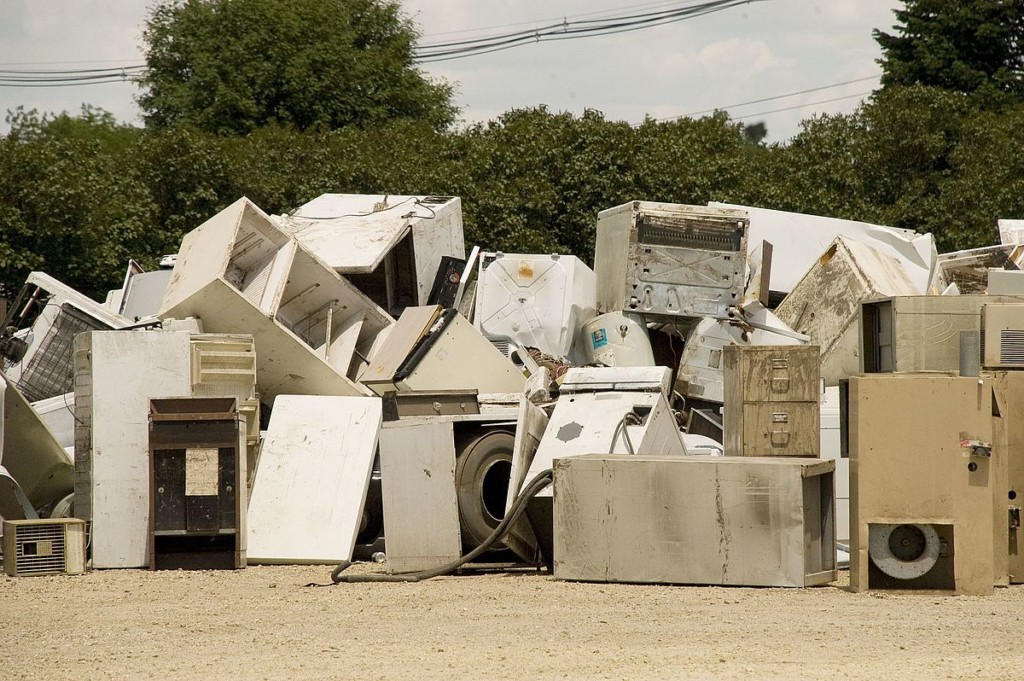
[[197, 483], [772, 400]]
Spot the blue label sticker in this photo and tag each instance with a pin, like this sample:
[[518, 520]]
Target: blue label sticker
[[599, 338]]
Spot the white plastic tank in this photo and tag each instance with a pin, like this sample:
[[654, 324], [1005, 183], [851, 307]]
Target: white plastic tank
[[617, 340]]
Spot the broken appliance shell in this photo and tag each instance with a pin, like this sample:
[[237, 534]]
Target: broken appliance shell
[[240, 273], [389, 246], [772, 400], [538, 301], [117, 373], [798, 240], [913, 462], [968, 270], [312, 479], [670, 260], [694, 520], [29, 452], [919, 333], [825, 303], [700, 366], [431, 349], [47, 367]]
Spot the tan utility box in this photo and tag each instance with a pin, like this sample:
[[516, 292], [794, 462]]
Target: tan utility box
[[1009, 448], [922, 478], [772, 400], [919, 333], [694, 520]]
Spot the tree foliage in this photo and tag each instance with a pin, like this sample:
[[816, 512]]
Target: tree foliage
[[974, 48], [232, 66]]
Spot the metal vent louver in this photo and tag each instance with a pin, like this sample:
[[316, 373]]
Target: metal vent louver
[[1002, 336], [1011, 347]]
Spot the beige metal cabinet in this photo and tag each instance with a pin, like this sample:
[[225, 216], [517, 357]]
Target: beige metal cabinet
[[921, 483], [771, 400]]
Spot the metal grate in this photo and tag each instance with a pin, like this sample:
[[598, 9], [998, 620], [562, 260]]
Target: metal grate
[[708, 234], [40, 549], [1011, 347], [50, 371]]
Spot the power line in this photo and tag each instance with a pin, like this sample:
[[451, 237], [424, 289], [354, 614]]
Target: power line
[[809, 103], [769, 99], [425, 54], [566, 30]]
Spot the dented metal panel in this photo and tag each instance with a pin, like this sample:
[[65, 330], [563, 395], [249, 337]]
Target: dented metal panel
[[694, 520]]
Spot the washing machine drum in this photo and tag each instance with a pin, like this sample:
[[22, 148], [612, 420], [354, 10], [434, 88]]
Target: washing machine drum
[[905, 551]]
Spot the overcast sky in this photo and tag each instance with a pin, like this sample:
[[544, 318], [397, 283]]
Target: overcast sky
[[752, 52]]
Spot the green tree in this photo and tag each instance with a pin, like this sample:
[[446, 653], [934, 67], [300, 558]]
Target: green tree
[[232, 66], [972, 47], [71, 203]]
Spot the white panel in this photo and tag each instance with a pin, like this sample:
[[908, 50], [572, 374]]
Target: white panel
[[421, 515], [587, 423], [314, 470], [128, 369]]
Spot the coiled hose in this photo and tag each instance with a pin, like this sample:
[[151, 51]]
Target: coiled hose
[[539, 482]]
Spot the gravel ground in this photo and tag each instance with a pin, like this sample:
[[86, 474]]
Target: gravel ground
[[263, 622]]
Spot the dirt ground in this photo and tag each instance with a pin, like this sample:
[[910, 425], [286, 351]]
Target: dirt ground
[[264, 623]]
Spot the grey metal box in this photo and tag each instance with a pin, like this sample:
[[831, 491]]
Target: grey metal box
[[694, 520], [670, 260], [772, 400]]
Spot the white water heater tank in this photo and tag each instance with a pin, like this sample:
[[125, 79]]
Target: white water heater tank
[[617, 340]]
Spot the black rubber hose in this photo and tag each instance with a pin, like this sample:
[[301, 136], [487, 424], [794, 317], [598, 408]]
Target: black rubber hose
[[539, 482]]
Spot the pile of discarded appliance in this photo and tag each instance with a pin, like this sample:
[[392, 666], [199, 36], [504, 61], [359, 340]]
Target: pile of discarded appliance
[[730, 396]]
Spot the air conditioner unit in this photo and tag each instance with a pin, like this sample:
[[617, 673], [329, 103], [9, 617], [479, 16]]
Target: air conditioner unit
[[1003, 336], [44, 547], [920, 333]]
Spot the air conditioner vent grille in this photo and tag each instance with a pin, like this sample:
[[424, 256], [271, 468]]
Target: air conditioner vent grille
[[1011, 347], [40, 550]]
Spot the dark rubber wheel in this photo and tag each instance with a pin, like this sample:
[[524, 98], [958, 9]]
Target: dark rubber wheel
[[482, 474]]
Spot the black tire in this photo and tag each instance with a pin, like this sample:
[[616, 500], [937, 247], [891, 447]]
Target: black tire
[[482, 473]]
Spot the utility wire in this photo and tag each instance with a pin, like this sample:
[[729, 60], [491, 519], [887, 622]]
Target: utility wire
[[428, 53], [769, 99], [800, 106]]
